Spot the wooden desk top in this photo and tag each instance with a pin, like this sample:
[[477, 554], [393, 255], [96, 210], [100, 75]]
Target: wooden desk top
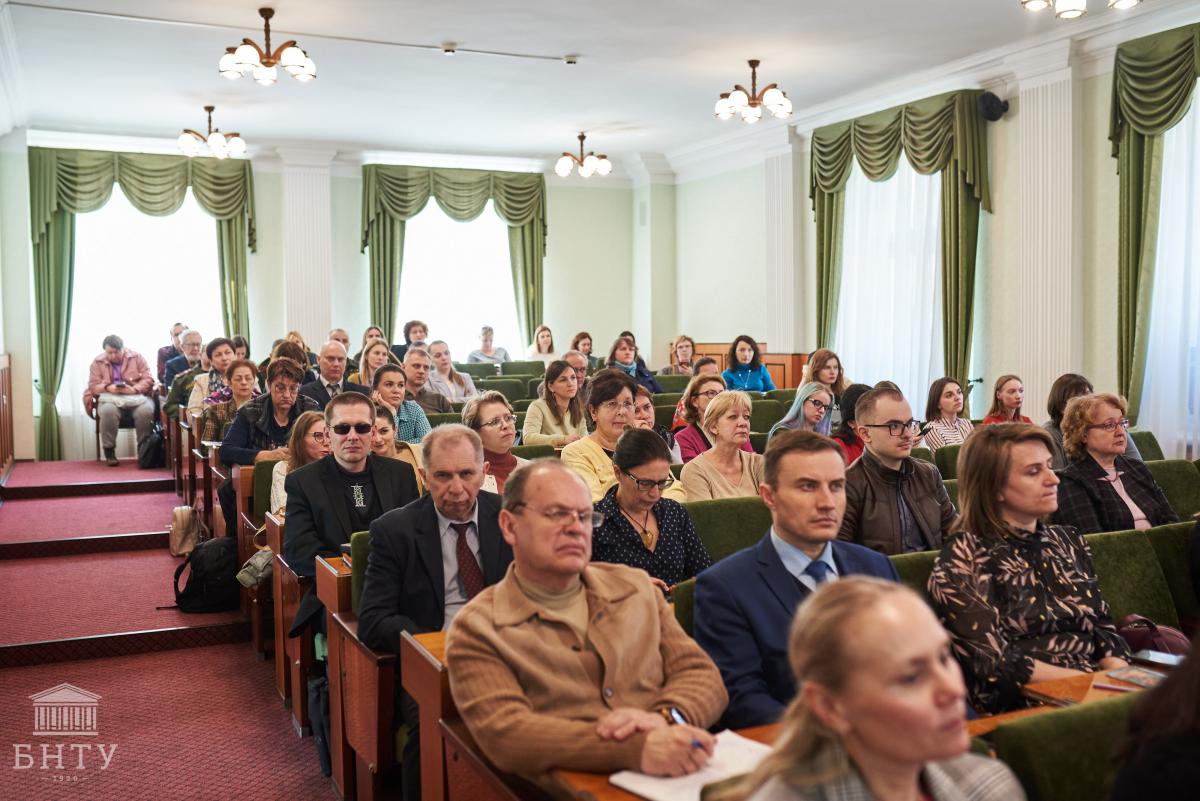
[[336, 564], [595, 786], [1071, 690], [434, 643]]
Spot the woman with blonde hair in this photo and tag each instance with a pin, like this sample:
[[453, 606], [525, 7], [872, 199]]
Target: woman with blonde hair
[[1007, 397], [375, 354], [879, 713], [691, 439], [444, 379], [725, 471], [296, 338], [308, 442]]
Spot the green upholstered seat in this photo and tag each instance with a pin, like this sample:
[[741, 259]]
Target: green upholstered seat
[[766, 413], [673, 383], [532, 384], [951, 485], [677, 470], [535, 367], [1180, 482], [924, 454], [1131, 579], [261, 502], [758, 441], [728, 525], [523, 404], [511, 388], [1171, 545], [477, 371], [914, 569], [1147, 445], [1066, 754], [436, 420], [784, 396], [668, 399], [946, 459], [360, 550], [684, 597], [458, 406], [664, 415], [534, 451]]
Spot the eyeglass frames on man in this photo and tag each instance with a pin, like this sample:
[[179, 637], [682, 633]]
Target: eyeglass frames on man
[[896, 428]]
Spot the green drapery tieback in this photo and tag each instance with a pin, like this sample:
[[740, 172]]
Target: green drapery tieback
[[63, 183], [392, 195], [939, 134], [1154, 79]]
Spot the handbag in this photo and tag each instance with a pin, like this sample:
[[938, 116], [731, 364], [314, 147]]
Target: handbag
[[257, 569], [1143, 634]]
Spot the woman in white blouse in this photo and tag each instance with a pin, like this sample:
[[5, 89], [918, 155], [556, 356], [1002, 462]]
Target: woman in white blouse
[[943, 424], [444, 379], [542, 348]]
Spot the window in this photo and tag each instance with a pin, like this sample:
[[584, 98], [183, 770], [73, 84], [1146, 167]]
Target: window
[[1171, 390], [457, 278], [135, 275], [889, 319]]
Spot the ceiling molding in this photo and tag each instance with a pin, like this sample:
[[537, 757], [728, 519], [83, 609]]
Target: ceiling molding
[[13, 111], [650, 169], [118, 143], [742, 147], [457, 161]]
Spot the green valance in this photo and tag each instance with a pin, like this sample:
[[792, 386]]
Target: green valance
[[392, 195], [945, 134], [63, 183], [1153, 81]]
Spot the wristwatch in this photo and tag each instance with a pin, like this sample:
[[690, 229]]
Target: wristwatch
[[673, 716]]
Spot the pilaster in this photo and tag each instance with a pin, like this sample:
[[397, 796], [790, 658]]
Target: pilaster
[[307, 241]]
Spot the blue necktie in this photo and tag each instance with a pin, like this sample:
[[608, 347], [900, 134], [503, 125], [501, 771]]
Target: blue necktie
[[818, 570]]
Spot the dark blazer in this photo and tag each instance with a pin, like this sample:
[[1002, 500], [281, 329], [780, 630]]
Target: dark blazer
[[173, 367], [743, 611], [318, 522], [405, 585], [1091, 505], [318, 392]]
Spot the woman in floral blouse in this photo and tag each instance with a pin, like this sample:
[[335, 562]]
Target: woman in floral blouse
[[1019, 597]]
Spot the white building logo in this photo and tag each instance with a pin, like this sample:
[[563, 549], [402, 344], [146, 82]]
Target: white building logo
[[65, 709]]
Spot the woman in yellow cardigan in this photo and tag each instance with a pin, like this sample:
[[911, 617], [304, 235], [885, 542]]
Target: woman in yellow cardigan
[[610, 407], [557, 417]]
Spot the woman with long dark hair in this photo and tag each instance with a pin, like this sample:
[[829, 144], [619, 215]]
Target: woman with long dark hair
[[745, 369]]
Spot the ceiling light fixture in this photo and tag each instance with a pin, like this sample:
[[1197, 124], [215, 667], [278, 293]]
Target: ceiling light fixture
[[216, 144], [249, 58], [1073, 9], [750, 104], [588, 165]]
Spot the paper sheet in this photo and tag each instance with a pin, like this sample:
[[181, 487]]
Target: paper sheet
[[733, 755]]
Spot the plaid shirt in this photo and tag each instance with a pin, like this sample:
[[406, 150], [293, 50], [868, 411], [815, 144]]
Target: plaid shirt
[[1090, 503], [411, 423]]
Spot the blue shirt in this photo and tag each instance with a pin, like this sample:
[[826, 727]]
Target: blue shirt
[[411, 423], [752, 380], [795, 561]]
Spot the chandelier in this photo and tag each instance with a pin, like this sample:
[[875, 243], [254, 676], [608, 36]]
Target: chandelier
[[216, 144], [249, 58], [588, 165], [1073, 9], [750, 104]]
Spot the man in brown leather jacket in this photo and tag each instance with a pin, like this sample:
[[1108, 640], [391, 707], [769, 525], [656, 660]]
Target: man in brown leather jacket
[[894, 503]]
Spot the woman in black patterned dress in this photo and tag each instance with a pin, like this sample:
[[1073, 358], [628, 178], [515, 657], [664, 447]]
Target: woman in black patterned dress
[[1019, 597]]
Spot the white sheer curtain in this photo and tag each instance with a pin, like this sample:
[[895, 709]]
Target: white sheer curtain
[[457, 277], [1171, 392], [135, 276], [889, 322]]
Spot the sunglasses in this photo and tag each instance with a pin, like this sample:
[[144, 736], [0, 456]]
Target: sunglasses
[[342, 429]]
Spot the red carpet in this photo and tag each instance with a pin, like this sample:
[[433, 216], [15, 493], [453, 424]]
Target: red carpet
[[61, 518], [201, 724], [40, 474], [78, 596]]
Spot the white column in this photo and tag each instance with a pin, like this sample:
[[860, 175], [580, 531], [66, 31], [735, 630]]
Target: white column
[[307, 241], [1049, 321], [784, 201]]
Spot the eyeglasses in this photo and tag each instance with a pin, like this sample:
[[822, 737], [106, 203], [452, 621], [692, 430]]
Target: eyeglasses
[[646, 484], [319, 436], [708, 393], [821, 405], [496, 422], [613, 405], [1111, 425], [342, 429], [565, 517], [896, 429]]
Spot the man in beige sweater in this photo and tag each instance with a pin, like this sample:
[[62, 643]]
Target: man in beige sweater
[[570, 665]]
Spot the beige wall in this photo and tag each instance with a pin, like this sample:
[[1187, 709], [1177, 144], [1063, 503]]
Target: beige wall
[[1101, 193], [16, 286], [351, 290]]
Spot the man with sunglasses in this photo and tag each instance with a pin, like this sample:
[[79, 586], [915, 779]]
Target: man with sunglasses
[[338, 495], [894, 503], [572, 664], [429, 559]]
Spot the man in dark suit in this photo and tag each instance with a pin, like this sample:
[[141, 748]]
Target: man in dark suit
[[192, 345], [334, 497], [331, 362], [745, 603], [429, 558]]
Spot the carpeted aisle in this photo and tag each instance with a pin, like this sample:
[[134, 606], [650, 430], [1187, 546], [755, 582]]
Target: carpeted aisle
[[62, 518], [201, 724], [40, 474]]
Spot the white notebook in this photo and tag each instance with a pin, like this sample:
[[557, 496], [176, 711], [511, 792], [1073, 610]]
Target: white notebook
[[733, 755]]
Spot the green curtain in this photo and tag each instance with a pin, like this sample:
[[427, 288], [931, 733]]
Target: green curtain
[[393, 195], [63, 183], [939, 134], [1153, 82]]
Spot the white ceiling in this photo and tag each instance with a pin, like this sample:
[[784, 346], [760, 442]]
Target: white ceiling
[[647, 76]]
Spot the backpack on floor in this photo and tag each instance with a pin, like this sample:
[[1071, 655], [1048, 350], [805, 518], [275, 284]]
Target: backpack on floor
[[212, 584], [152, 451], [187, 531]]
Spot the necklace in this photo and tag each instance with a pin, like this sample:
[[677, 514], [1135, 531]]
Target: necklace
[[648, 538]]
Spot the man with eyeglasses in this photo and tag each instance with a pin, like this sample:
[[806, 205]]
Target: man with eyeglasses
[[429, 559], [331, 364], [331, 498], [572, 664], [894, 503]]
